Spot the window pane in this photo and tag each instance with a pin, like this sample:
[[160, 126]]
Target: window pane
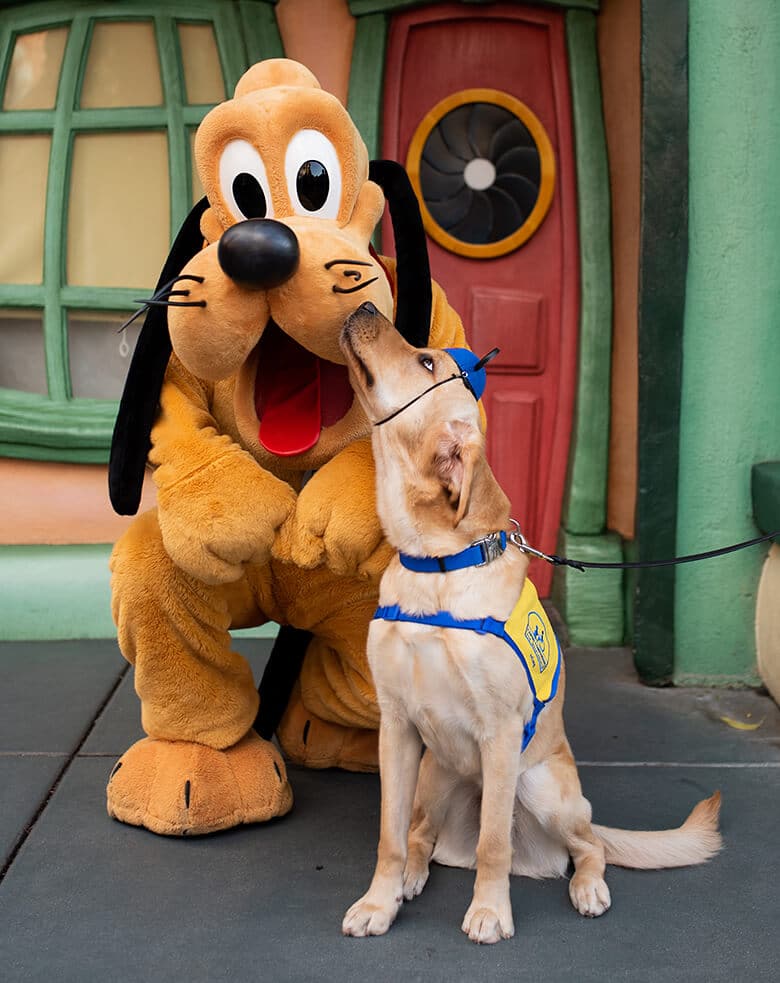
[[99, 356], [197, 187], [22, 356], [122, 69], [119, 218], [24, 166], [202, 72], [35, 70]]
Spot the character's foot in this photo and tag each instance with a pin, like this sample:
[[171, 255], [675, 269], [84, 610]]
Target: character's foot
[[315, 743], [179, 788]]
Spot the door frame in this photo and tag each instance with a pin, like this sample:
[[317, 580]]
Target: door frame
[[592, 606]]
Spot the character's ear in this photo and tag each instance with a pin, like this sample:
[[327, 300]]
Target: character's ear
[[457, 449], [138, 406], [413, 297]]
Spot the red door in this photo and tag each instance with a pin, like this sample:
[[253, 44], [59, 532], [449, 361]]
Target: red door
[[476, 104]]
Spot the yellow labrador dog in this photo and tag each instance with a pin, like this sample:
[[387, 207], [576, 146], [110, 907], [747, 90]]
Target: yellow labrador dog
[[465, 661]]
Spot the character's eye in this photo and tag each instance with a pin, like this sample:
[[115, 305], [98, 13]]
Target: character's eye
[[427, 362], [313, 173], [243, 181]]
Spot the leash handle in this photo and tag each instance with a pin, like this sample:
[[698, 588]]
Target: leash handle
[[519, 540]]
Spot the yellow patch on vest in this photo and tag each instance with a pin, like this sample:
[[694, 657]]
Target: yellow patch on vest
[[529, 628]]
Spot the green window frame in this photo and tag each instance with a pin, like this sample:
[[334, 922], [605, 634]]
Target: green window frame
[[57, 426]]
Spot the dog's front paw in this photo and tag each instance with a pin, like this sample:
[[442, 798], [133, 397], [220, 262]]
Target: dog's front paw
[[415, 877], [589, 894], [488, 923], [369, 916]]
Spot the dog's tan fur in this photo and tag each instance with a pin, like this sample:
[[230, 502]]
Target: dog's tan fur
[[474, 800]]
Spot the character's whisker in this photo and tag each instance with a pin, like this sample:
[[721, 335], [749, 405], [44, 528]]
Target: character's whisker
[[351, 290], [176, 303], [129, 321], [160, 298], [181, 276]]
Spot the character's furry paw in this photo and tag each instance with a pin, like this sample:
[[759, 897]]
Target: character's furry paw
[[370, 916], [222, 517], [486, 924], [589, 894], [312, 742], [335, 519], [179, 788]]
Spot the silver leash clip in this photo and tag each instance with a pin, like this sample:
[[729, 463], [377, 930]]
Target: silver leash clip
[[518, 539]]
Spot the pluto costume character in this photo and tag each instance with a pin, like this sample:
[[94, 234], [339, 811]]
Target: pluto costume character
[[239, 397]]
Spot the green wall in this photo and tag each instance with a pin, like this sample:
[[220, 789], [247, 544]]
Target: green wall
[[730, 408]]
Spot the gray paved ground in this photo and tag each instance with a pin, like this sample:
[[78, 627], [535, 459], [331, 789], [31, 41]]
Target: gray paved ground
[[84, 898]]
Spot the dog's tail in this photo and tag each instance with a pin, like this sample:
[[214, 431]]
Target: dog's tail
[[694, 842]]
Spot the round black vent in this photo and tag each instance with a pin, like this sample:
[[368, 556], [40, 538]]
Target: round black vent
[[484, 172]]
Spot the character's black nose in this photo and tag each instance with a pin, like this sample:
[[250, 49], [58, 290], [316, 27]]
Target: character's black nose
[[368, 307], [259, 252]]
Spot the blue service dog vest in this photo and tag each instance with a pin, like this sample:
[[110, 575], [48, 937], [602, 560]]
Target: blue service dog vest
[[527, 631]]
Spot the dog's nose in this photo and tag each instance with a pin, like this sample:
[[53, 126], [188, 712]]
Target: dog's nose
[[368, 308], [259, 252]]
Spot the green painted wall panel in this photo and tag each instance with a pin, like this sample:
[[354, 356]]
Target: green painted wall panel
[[591, 601], [585, 509], [730, 408], [366, 79], [59, 592], [51, 592]]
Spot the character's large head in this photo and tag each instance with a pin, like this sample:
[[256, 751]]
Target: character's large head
[[287, 220]]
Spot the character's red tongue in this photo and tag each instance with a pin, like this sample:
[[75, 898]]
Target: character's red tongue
[[296, 394]]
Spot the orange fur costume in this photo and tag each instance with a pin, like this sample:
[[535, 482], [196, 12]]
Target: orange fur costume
[[262, 460]]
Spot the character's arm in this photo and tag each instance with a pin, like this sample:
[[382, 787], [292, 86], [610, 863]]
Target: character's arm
[[218, 509], [335, 521]]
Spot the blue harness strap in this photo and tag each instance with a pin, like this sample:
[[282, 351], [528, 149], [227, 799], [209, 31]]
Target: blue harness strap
[[482, 626]]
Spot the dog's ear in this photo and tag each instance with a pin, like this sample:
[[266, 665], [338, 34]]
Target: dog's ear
[[139, 404], [414, 297], [457, 450]]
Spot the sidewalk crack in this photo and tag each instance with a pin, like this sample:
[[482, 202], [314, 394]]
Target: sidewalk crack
[[69, 758]]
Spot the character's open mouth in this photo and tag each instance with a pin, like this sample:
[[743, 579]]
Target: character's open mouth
[[297, 393]]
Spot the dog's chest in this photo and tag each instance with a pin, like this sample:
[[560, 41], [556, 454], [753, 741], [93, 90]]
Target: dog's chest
[[455, 687]]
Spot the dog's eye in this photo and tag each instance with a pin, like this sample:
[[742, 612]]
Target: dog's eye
[[243, 181], [313, 172], [427, 362]]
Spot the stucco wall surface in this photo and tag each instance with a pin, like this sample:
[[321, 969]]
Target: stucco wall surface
[[730, 411]]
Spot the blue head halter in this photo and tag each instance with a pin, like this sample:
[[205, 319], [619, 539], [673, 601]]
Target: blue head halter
[[472, 374]]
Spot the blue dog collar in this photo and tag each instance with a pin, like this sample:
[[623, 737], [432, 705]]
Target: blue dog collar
[[478, 554]]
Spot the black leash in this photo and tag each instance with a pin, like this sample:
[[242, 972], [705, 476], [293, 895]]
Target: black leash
[[563, 561]]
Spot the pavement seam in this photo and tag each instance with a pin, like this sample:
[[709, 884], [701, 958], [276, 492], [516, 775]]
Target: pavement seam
[[678, 764], [33, 754], [60, 775]]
